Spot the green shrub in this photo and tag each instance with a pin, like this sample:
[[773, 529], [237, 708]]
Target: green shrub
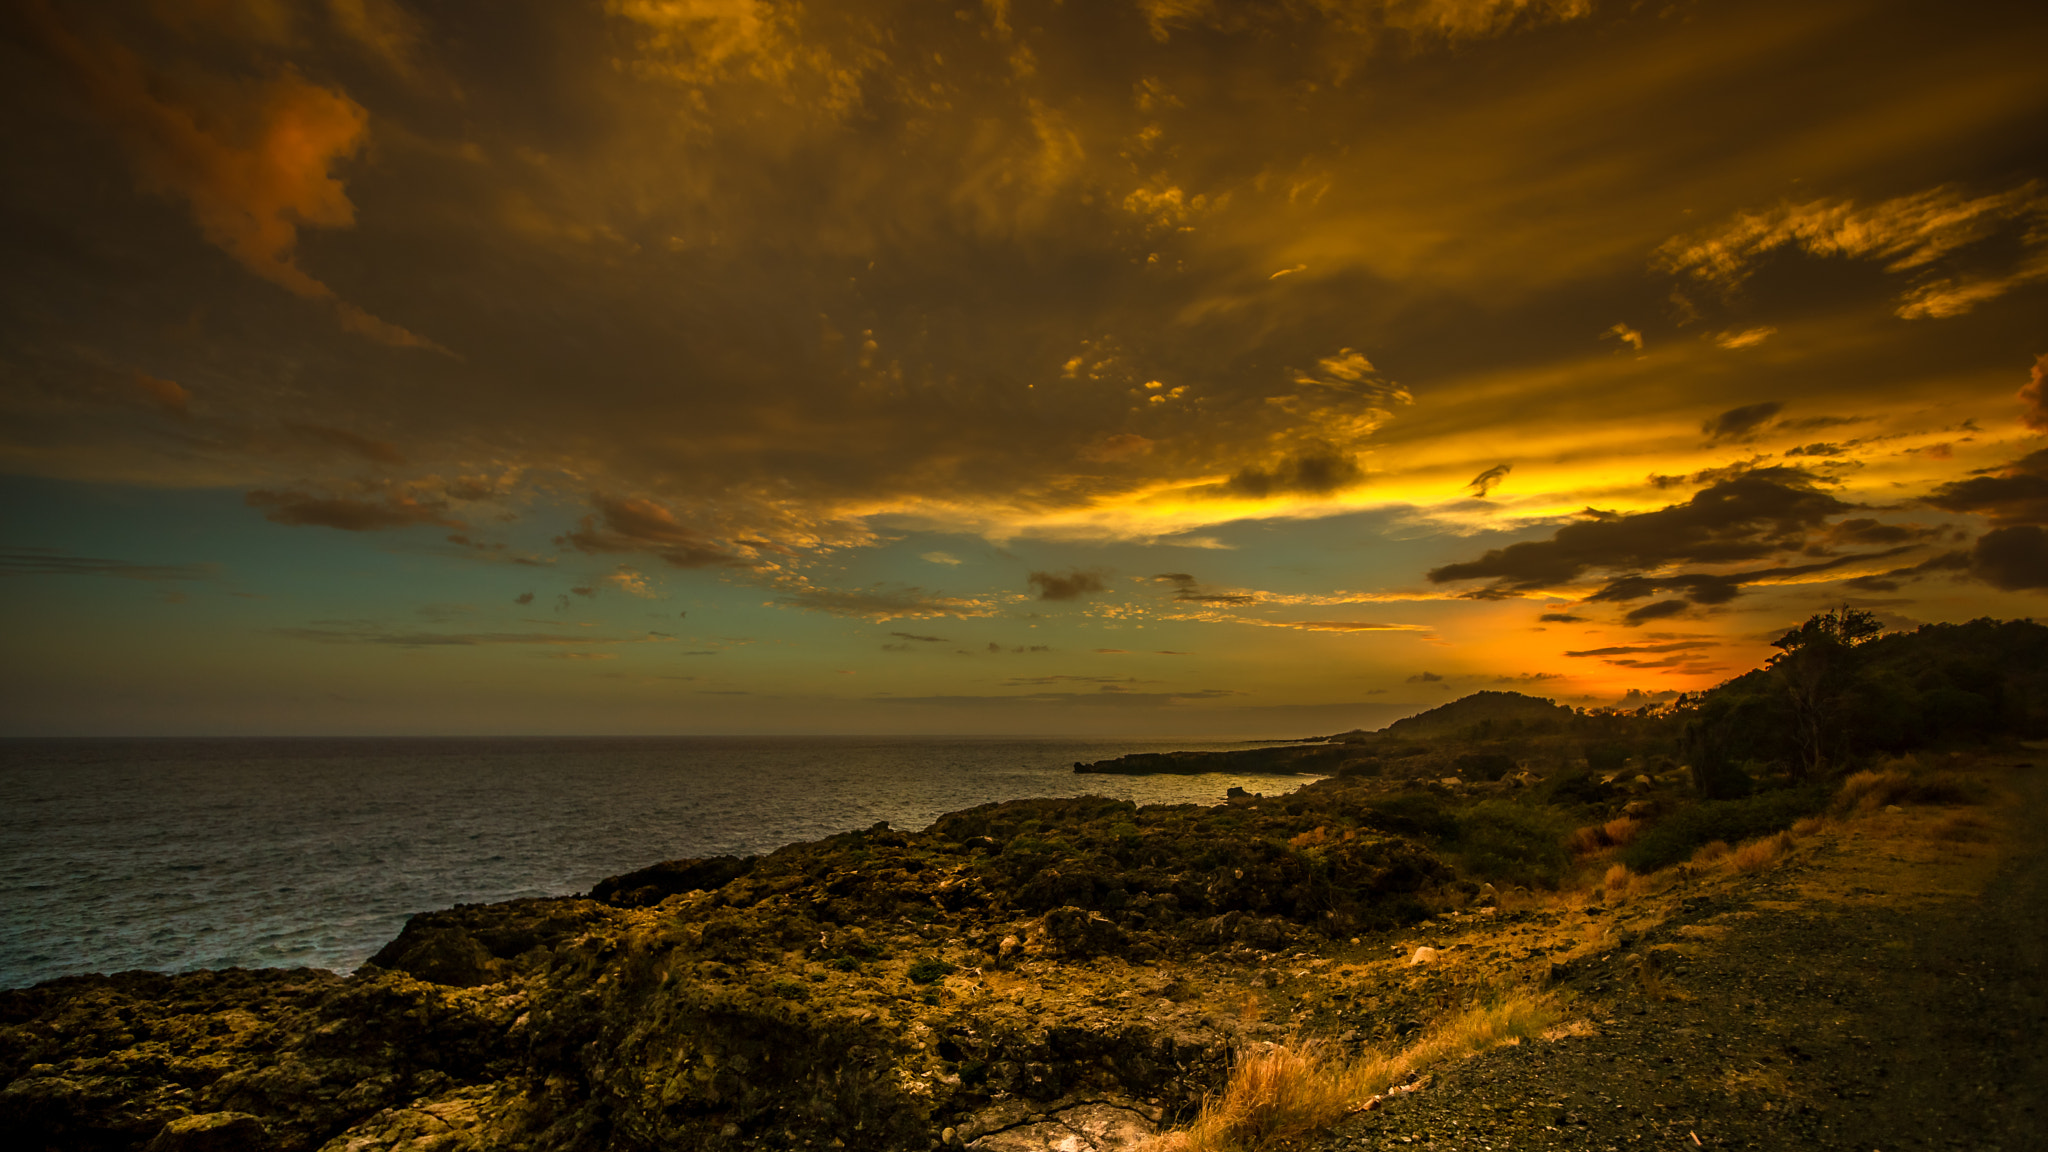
[[1417, 814], [1508, 843], [790, 990], [1677, 836], [1606, 759], [1575, 786], [1484, 765], [928, 970]]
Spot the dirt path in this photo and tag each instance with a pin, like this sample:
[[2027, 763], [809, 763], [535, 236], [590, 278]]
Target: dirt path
[[1886, 990]]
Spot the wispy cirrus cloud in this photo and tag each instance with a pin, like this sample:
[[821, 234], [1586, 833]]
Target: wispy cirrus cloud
[[883, 602], [369, 633], [19, 561], [1907, 234]]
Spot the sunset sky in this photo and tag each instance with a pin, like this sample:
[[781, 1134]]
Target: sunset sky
[[1133, 367]]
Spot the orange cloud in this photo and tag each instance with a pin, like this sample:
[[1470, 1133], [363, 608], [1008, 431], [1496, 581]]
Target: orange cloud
[[2034, 394], [172, 396], [252, 159]]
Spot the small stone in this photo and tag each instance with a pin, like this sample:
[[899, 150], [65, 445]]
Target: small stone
[[1423, 955], [948, 1136]]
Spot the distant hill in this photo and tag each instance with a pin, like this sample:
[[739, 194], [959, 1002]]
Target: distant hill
[[1479, 715]]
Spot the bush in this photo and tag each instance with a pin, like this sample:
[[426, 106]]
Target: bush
[[1606, 759], [1510, 843], [1678, 836], [928, 970], [1575, 787], [1416, 814], [1484, 765]]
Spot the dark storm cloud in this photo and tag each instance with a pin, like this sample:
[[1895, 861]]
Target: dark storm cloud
[[1720, 588], [55, 562], [1745, 518], [1697, 587], [1488, 480], [1634, 649], [773, 269], [1561, 618], [1066, 586], [1313, 472], [348, 513], [1662, 609], [1737, 423], [1865, 530], [2012, 558], [1890, 581], [2018, 494], [640, 525], [1187, 589]]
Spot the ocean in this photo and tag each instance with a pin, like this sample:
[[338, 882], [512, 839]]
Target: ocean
[[174, 855]]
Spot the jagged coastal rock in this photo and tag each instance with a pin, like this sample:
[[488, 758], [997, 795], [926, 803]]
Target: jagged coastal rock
[[1025, 974]]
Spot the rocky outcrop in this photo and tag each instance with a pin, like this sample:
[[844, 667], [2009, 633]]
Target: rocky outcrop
[[1023, 974]]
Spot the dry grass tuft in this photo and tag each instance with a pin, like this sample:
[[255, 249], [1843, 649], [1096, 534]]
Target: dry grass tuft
[[1872, 790], [1756, 855], [1621, 884], [1712, 852], [1283, 1094], [1311, 838], [1594, 838]]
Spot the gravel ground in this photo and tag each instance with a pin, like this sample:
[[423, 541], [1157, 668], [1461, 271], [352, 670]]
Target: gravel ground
[[1886, 991]]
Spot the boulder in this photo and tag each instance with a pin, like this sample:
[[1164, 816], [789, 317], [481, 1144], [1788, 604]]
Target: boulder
[[1071, 932], [212, 1132]]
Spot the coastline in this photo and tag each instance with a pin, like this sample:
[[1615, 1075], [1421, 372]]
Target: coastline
[[875, 989]]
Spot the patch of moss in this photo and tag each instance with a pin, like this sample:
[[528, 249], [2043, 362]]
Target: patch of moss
[[928, 970]]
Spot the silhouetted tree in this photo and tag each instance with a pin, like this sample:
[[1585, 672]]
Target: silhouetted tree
[[1814, 668]]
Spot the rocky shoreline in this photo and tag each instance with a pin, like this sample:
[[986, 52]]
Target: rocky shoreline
[[1080, 974], [1062, 962], [1030, 975]]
